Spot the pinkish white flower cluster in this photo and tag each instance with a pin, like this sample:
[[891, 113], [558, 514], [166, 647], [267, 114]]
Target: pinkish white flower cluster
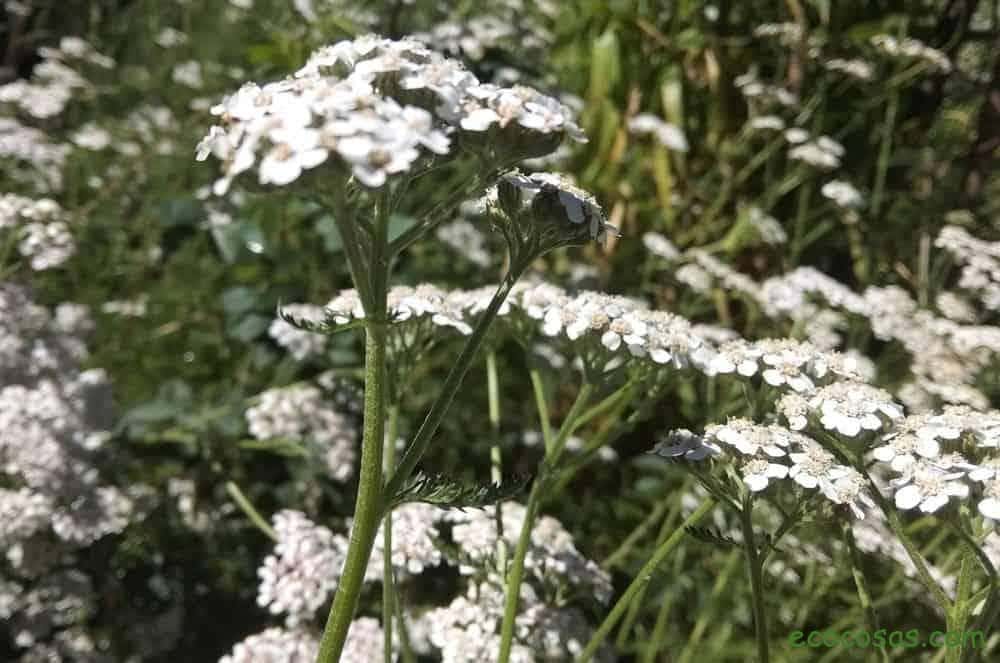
[[302, 413]]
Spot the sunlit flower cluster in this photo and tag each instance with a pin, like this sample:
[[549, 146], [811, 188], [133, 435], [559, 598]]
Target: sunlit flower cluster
[[338, 106]]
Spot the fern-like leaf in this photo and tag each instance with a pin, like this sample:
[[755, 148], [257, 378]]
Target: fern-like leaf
[[448, 493], [328, 325], [708, 535]]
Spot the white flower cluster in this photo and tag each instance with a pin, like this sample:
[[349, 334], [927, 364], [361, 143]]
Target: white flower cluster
[[843, 194], [21, 146], [660, 246], [467, 240], [302, 413], [467, 630], [53, 419], [414, 542], [298, 645], [855, 68], [54, 83], [821, 152], [773, 452], [946, 355], [40, 225], [423, 303], [668, 135], [275, 645], [337, 106], [980, 261], [552, 557], [913, 49], [303, 571], [759, 93], [474, 37], [300, 343]]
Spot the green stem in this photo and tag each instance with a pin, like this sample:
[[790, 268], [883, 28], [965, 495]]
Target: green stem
[[959, 614], [626, 546], [516, 573], [248, 508], [633, 612], [896, 525], [692, 644], [538, 491], [368, 507], [538, 387], [415, 450], [884, 154], [756, 580], [388, 583], [641, 579], [496, 458], [860, 584]]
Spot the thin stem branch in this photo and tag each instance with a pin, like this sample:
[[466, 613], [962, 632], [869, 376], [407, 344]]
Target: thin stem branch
[[756, 580], [496, 458], [641, 579], [415, 450], [247, 507], [538, 491], [538, 387]]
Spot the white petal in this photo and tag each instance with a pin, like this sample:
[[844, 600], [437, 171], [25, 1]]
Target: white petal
[[908, 497]]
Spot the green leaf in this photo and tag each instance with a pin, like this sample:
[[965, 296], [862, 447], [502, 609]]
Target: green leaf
[[398, 224], [249, 327], [449, 493], [281, 446], [605, 68], [326, 228], [180, 212], [708, 535], [239, 300], [237, 239]]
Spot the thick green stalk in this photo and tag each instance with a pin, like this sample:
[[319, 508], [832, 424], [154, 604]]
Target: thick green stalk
[[415, 450], [641, 579], [756, 581], [388, 581], [368, 507], [959, 615]]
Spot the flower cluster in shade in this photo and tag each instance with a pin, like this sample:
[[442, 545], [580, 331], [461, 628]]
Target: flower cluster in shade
[[376, 106], [947, 349], [55, 80], [54, 500], [980, 263], [302, 572], [304, 413], [40, 229]]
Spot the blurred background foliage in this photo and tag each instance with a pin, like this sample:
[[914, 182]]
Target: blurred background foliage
[[920, 144]]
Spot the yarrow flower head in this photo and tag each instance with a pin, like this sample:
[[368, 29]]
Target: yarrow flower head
[[375, 107], [682, 443], [542, 211]]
